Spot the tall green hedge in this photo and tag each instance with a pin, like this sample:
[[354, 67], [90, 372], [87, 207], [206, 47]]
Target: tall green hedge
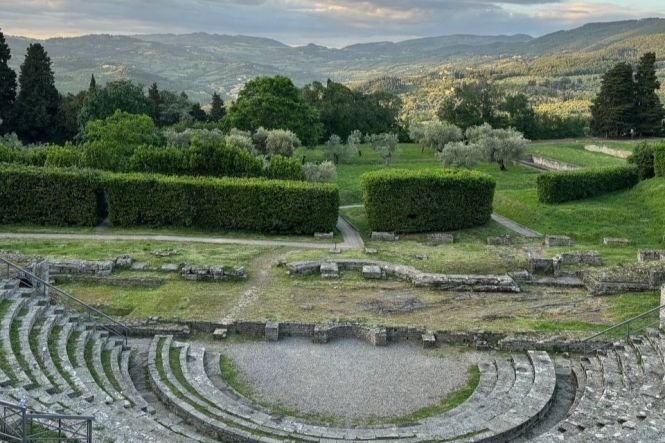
[[659, 160], [46, 196], [253, 204], [403, 200], [559, 187]]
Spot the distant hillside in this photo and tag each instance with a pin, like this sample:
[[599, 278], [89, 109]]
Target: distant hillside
[[204, 63]]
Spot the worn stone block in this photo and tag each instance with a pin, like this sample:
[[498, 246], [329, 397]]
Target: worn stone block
[[378, 336], [324, 235], [440, 238], [557, 240], [170, 267], [329, 270], [505, 240], [219, 333], [429, 340], [139, 266], [124, 261], [335, 250], [646, 255], [579, 258], [371, 251], [272, 331], [384, 236], [609, 241], [540, 265], [372, 272]]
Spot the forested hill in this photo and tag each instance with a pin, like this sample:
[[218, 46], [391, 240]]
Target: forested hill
[[202, 63]]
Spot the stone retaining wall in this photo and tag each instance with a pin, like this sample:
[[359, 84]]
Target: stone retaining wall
[[549, 163], [619, 153], [143, 282], [478, 283], [638, 277]]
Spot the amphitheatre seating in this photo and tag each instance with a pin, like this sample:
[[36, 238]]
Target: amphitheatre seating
[[60, 363], [50, 358], [513, 393]]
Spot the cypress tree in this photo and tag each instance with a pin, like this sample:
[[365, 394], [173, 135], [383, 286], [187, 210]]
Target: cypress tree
[[217, 109], [197, 113], [7, 86], [155, 101], [649, 113], [93, 84], [613, 110], [37, 102]]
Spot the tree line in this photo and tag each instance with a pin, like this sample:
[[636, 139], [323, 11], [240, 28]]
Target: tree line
[[627, 104]]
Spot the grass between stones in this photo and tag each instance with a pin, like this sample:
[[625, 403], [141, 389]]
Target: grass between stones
[[4, 364], [57, 358], [575, 154], [71, 348], [88, 356], [16, 345], [108, 371], [33, 339]]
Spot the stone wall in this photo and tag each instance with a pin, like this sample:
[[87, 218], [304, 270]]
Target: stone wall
[[478, 283], [78, 267], [549, 163], [143, 282], [619, 153], [213, 273], [638, 277]]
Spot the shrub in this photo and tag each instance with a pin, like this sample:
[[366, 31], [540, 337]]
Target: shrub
[[404, 200], [325, 172], [257, 205], [642, 157], [559, 187], [282, 168], [63, 156], [47, 196], [281, 142], [659, 160], [214, 158], [168, 160]]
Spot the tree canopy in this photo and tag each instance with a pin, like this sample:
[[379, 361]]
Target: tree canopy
[[275, 103], [7, 85], [123, 95]]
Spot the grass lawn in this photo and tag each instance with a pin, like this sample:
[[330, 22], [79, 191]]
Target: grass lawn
[[575, 154]]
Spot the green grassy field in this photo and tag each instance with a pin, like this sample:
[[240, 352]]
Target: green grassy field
[[575, 154]]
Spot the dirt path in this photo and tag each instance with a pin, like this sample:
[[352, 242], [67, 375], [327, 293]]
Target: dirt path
[[352, 239]]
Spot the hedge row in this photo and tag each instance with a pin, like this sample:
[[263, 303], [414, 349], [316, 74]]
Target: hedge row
[[79, 197], [401, 200], [559, 187], [659, 160], [49, 196], [260, 205]]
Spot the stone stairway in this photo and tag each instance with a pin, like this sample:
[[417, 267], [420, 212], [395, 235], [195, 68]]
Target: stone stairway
[[514, 392]]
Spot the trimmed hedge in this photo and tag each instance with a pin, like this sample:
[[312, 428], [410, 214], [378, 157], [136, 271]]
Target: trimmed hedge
[[46, 196], [659, 160], [254, 204], [560, 187], [402, 200]]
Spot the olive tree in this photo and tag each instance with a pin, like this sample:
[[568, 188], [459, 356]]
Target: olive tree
[[499, 146], [435, 135], [282, 142], [337, 151], [384, 144], [459, 155]]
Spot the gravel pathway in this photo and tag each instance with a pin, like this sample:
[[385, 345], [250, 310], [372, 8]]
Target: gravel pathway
[[349, 379]]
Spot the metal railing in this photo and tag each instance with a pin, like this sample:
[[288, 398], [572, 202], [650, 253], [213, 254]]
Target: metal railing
[[104, 321], [19, 424], [633, 326]]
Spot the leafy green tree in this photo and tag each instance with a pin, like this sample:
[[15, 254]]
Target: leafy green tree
[[342, 110], [473, 104], [217, 108], [121, 95], [172, 108], [67, 120], [275, 103], [7, 86], [37, 101], [649, 112], [109, 143], [337, 151], [613, 109], [520, 114]]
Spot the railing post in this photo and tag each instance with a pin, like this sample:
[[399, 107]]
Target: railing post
[[24, 437], [89, 431]]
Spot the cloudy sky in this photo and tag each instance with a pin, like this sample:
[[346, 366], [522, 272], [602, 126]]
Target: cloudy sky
[[327, 22]]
